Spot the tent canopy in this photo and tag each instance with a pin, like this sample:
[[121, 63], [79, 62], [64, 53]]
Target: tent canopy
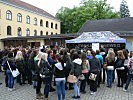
[[97, 37]]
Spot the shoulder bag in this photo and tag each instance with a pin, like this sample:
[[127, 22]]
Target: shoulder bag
[[15, 73]]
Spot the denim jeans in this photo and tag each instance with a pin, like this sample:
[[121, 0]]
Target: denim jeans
[[109, 77], [76, 89], [60, 85], [128, 80], [47, 82], [10, 78]]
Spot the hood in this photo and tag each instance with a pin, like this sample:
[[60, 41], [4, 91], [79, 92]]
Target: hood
[[59, 66], [102, 53], [78, 61]]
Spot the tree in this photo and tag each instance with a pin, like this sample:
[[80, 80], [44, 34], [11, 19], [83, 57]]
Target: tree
[[124, 11], [73, 19]]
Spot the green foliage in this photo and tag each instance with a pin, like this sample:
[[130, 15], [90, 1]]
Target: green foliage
[[73, 19], [124, 11]]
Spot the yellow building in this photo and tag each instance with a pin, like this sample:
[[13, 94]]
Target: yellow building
[[24, 24]]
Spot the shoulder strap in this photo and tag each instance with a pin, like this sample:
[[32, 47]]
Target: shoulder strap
[[9, 66]]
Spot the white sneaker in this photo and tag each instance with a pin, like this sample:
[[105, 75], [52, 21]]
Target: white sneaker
[[124, 90], [10, 89], [93, 93]]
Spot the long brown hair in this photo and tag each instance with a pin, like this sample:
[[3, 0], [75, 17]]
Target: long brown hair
[[120, 54]]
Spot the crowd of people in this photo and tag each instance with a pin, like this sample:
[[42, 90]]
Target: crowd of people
[[53, 67]]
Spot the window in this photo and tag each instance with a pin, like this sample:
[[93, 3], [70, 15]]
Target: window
[[51, 33], [8, 15], [9, 30], [19, 32], [56, 33], [35, 32], [46, 33], [41, 33], [55, 26], [28, 19], [19, 17], [51, 25], [41, 22], [27, 32], [46, 23], [35, 21]]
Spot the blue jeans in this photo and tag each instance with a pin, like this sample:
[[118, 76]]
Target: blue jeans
[[10, 78], [60, 85], [109, 77], [76, 89], [128, 80], [47, 82]]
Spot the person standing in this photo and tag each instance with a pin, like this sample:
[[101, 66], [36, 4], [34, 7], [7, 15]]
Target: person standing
[[110, 61], [95, 68], [130, 72], [20, 65], [119, 64], [85, 71], [60, 77]]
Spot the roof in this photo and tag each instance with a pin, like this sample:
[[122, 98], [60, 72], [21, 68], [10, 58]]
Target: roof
[[119, 24], [27, 6], [58, 36], [97, 37]]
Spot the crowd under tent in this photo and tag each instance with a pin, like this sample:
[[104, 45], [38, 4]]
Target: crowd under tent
[[96, 39]]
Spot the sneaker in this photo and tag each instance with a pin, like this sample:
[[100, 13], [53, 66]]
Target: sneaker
[[93, 93], [78, 97], [10, 89], [74, 97], [124, 90], [0, 83]]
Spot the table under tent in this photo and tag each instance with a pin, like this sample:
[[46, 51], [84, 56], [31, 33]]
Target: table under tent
[[95, 40]]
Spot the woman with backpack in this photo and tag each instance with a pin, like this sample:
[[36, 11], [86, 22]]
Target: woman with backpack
[[60, 77], [21, 67]]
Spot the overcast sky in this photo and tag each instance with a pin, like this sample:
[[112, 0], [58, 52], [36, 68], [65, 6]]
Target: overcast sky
[[52, 6]]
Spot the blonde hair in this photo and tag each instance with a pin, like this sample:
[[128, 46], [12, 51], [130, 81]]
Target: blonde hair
[[120, 54], [19, 56], [110, 55]]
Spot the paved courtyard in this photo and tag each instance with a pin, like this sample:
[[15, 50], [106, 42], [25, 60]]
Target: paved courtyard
[[26, 92]]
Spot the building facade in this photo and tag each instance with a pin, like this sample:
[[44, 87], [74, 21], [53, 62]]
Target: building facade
[[26, 23]]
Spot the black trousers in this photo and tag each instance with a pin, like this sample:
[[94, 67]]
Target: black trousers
[[93, 84], [120, 75], [39, 83]]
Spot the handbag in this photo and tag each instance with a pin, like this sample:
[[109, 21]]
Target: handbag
[[131, 71], [92, 76], [105, 65], [82, 77], [72, 79], [15, 73]]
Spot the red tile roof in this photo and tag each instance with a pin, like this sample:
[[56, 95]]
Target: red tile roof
[[29, 7]]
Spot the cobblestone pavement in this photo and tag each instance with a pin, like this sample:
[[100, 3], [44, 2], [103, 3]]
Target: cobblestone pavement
[[26, 92]]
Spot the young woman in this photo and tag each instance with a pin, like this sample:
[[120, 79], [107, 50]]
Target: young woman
[[110, 60], [21, 67], [41, 66], [95, 68], [85, 70], [119, 64], [76, 70], [130, 72], [60, 77]]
